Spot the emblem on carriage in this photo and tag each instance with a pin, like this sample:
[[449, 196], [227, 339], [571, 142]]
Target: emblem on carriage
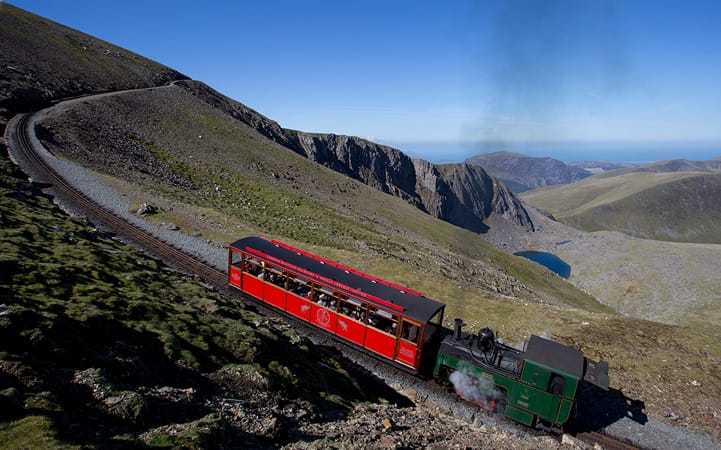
[[235, 276], [323, 317]]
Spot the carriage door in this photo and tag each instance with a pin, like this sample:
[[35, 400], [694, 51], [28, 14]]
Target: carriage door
[[408, 343]]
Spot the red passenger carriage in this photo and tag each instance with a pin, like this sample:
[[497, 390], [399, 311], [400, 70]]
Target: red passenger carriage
[[391, 321]]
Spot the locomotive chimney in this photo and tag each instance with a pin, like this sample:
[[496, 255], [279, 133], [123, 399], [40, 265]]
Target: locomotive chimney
[[457, 329]]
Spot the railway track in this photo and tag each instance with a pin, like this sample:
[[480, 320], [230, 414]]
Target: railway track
[[103, 217], [41, 171], [604, 441]]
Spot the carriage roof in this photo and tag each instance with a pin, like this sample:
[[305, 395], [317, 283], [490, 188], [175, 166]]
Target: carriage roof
[[356, 284]]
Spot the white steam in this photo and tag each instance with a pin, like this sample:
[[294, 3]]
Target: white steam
[[479, 390]]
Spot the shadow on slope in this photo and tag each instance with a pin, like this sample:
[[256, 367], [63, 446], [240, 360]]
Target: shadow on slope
[[596, 410]]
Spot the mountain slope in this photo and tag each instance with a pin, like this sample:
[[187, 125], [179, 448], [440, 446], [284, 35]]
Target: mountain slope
[[41, 60], [103, 346], [191, 157], [386, 169], [673, 206], [184, 148], [65, 53], [685, 165], [523, 173]]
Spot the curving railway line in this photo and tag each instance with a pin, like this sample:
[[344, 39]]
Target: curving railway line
[[599, 440], [23, 152], [19, 129]]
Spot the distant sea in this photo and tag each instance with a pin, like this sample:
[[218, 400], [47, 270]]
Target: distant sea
[[636, 152]]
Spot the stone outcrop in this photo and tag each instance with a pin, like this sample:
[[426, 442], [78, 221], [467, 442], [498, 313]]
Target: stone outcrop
[[384, 168], [466, 196]]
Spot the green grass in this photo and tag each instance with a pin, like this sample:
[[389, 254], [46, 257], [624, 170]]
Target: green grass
[[32, 432], [202, 433], [675, 206], [602, 189]]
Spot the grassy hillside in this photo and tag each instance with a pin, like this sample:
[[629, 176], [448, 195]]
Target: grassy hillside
[[102, 345], [676, 206], [213, 175]]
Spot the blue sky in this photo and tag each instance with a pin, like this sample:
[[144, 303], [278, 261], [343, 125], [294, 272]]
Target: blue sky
[[572, 79]]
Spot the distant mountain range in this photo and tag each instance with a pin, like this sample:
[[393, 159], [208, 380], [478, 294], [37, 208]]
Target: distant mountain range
[[522, 173], [675, 200], [684, 165]]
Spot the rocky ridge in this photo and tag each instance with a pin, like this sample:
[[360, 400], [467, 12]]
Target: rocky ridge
[[523, 172], [459, 194]]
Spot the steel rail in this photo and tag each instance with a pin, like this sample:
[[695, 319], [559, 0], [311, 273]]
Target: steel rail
[[604, 441], [105, 218]]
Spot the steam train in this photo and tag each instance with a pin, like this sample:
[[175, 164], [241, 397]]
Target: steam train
[[536, 386]]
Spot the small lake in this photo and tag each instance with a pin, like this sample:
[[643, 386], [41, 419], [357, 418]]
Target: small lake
[[548, 260]]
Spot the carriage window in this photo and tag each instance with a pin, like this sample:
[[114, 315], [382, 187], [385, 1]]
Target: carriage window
[[327, 298], [352, 308], [299, 286], [409, 332], [433, 326], [275, 276], [235, 258], [253, 266], [313, 292], [383, 320], [556, 385]]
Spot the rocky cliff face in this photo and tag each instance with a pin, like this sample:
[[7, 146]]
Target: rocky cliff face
[[466, 196], [462, 194], [384, 168]]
